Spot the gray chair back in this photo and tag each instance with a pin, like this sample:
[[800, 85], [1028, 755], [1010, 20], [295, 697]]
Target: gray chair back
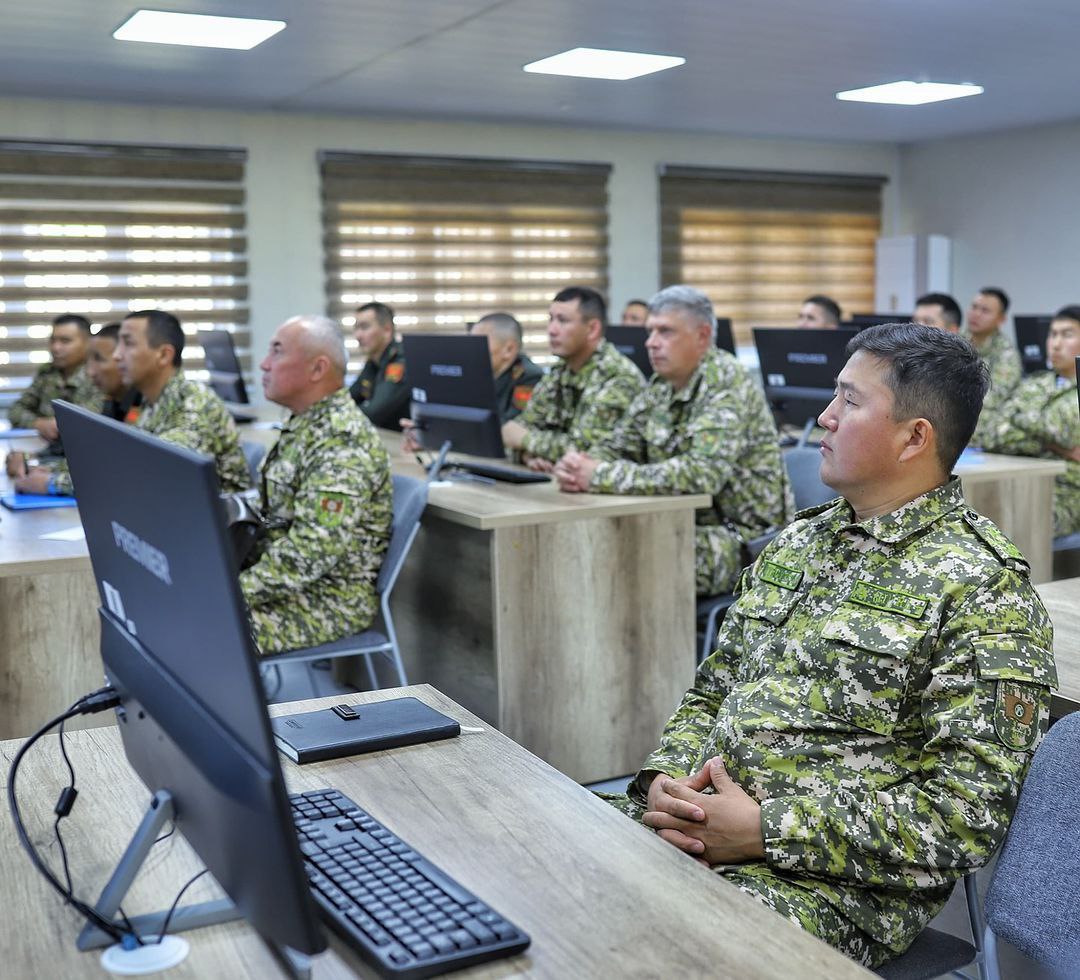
[[1034, 897], [803, 467], [410, 499], [253, 453]]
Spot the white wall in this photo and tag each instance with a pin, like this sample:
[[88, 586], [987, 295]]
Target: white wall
[[285, 251], [1009, 201]]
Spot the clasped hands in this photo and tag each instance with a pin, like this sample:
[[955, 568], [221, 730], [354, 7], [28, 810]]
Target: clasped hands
[[721, 827]]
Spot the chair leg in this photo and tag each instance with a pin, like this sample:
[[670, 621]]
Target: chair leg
[[990, 957], [373, 678], [709, 640]]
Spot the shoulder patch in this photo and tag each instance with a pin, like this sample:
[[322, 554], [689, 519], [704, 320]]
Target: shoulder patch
[[888, 600], [394, 372], [992, 536], [331, 509], [521, 396], [781, 575]]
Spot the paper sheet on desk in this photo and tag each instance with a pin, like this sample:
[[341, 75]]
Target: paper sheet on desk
[[75, 533]]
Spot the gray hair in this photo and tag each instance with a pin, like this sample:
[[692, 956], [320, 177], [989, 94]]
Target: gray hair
[[689, 300], [323, 336], [503, 325]]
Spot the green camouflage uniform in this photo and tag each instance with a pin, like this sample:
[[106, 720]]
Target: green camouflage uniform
[[327, 480], [879, 688], [125, 410], [1003, 360], [49, 384], [190, 415], [514, 387], [1042, 412], [575, 411], [382, 390], [715, 436]]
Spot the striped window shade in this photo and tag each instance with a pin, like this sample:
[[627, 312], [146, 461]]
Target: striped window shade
[[758, 243], [102, 230], [445, 241]]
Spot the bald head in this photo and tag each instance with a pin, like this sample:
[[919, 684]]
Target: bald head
[[306, 362]]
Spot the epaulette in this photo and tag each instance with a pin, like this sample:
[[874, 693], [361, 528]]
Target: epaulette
[[814, 511], [990, 534]]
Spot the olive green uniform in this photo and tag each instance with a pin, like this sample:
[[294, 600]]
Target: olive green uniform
[[382, 390], [1042, 412], [190, 415], [879, 688], [1003, 360], [514, 387], [326, 485], [575, 410], [716, 435], [49, 384]]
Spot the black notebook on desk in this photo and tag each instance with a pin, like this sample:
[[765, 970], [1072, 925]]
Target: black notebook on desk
[[348, 729]]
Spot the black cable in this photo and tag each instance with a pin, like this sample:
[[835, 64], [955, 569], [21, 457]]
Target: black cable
[[176, 901], [97, 701], [60, 815]]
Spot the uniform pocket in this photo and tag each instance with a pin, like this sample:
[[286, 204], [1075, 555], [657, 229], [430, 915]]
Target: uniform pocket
[[864, 668], [1016, 675]]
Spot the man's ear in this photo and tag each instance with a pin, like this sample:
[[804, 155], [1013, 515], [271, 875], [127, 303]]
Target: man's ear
[[921, 440], [319, 366], [596, 329], [165, 354]]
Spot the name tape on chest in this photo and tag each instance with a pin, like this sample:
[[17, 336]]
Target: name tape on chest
[[781, 575], [888, 600]]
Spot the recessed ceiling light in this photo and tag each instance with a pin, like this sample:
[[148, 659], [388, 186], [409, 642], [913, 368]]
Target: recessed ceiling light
[[197, 30], [909, 93], [599, 63]]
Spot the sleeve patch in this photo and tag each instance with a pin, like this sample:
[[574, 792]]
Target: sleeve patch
[[394, 372], [331, 509], [1015, 714], [521, 395]]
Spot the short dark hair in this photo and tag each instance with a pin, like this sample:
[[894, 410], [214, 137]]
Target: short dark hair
[[999, 294], [950, 309], [111, 331], [590, 302], [1070, 312], [636, 302], [827, 303], [384, 315], [505, 325], [80, 321], [162, 328], [933, 374]]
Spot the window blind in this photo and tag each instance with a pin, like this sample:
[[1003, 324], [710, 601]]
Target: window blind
[[758, 243], [103, 229], [444, 241]]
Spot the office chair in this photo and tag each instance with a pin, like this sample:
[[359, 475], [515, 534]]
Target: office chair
[[802, 465], [1034, 896], [935, 953], [410, 499], [253, 453]]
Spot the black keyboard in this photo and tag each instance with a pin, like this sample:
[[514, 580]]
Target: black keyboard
[[504, 474], [395, 908]]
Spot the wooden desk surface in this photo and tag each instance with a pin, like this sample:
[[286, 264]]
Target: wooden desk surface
[[979, 466], [22, 552], [599, 894], [1062, 601]]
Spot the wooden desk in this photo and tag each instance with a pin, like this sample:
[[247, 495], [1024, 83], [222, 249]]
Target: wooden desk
[[564, 620], [1062, 601], [1017, 494], [49, 634], [599, 895]]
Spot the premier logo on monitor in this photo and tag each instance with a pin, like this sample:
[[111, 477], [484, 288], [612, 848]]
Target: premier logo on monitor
[[142, 552]]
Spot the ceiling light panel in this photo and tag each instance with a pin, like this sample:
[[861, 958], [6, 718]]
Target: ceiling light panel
[[197, 30], [909, 93], [600, 63]]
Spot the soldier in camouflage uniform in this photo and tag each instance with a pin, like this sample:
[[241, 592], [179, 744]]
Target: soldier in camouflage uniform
[[701, 426], [858, 739], [326, 491], [174, 408], [580, 399], [64, 378], [1040, 418], [381, 388], [983, 328]]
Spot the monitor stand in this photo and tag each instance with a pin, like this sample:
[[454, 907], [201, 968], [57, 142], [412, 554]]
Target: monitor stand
[[435, 469], [119, 958]]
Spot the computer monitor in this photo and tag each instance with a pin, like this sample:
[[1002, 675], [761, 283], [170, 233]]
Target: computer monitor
[[725, 339], [860, 321], [799, 368], [1031, 333], [453, 393], [629, 340], [223, 366], [176, 645]]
